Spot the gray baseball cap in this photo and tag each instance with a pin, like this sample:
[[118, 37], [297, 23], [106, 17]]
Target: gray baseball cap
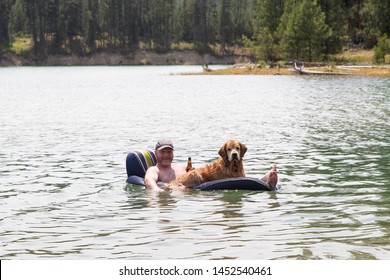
[[162, 144]]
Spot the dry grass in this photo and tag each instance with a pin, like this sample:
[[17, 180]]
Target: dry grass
[[359, 62], [381, 71], [355, 56], [249, 71]]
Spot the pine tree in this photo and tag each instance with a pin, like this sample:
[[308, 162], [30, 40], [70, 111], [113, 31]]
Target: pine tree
[[267, 20], [200, 24], [306, 32], [243, 13], [17, 19], [132, 24], [161, 24], [275, 29], [225, 25], [335, 17], [374, 17], [178, 22], [5, 7]]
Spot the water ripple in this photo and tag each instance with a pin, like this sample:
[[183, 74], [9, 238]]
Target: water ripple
[[62, 190]]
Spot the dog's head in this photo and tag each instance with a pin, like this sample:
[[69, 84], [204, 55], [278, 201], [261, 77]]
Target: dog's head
[[232, 150]]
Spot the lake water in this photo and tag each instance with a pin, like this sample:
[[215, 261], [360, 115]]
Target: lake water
[[65, 133]]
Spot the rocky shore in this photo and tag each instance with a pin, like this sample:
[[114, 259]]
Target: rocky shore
[[140, 57]]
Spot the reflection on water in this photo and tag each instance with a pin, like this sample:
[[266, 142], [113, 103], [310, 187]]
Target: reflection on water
[[65, 133]]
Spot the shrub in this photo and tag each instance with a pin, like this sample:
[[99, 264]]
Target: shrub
[[381, 49]]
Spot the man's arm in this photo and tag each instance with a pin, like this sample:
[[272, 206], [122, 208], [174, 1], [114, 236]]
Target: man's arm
[[151, 178]]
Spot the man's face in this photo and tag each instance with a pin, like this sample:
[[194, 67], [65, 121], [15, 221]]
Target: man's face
[[164, 156]]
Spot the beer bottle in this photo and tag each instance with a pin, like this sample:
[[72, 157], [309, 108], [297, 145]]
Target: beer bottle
[[189, 164]]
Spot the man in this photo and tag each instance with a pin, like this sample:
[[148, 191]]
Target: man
[[164, 171]]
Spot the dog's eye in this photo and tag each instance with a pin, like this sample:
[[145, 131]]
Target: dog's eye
[[229, 149]]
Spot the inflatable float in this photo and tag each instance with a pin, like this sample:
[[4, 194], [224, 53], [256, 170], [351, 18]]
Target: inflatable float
[[137, 162]]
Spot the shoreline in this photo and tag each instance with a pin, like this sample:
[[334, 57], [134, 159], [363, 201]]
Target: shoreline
[[340, 70], [240, 63], [139, 57]]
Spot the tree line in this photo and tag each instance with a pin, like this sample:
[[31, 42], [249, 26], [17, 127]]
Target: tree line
[[272, 29]]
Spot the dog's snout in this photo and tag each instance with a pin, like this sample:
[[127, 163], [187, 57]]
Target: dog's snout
[[235, 156]]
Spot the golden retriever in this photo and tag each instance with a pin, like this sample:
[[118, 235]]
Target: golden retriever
[[229, 165]]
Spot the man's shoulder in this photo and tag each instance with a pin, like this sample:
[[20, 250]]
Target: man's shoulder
[[153, 168]]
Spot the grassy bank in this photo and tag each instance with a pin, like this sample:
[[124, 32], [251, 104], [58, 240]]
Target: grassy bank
[[380, 71], [352, 62]]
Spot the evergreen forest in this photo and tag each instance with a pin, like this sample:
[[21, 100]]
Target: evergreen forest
[[308, 30]]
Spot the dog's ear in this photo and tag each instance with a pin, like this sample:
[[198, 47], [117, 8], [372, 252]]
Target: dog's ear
[[243, 149], [222, 152]]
